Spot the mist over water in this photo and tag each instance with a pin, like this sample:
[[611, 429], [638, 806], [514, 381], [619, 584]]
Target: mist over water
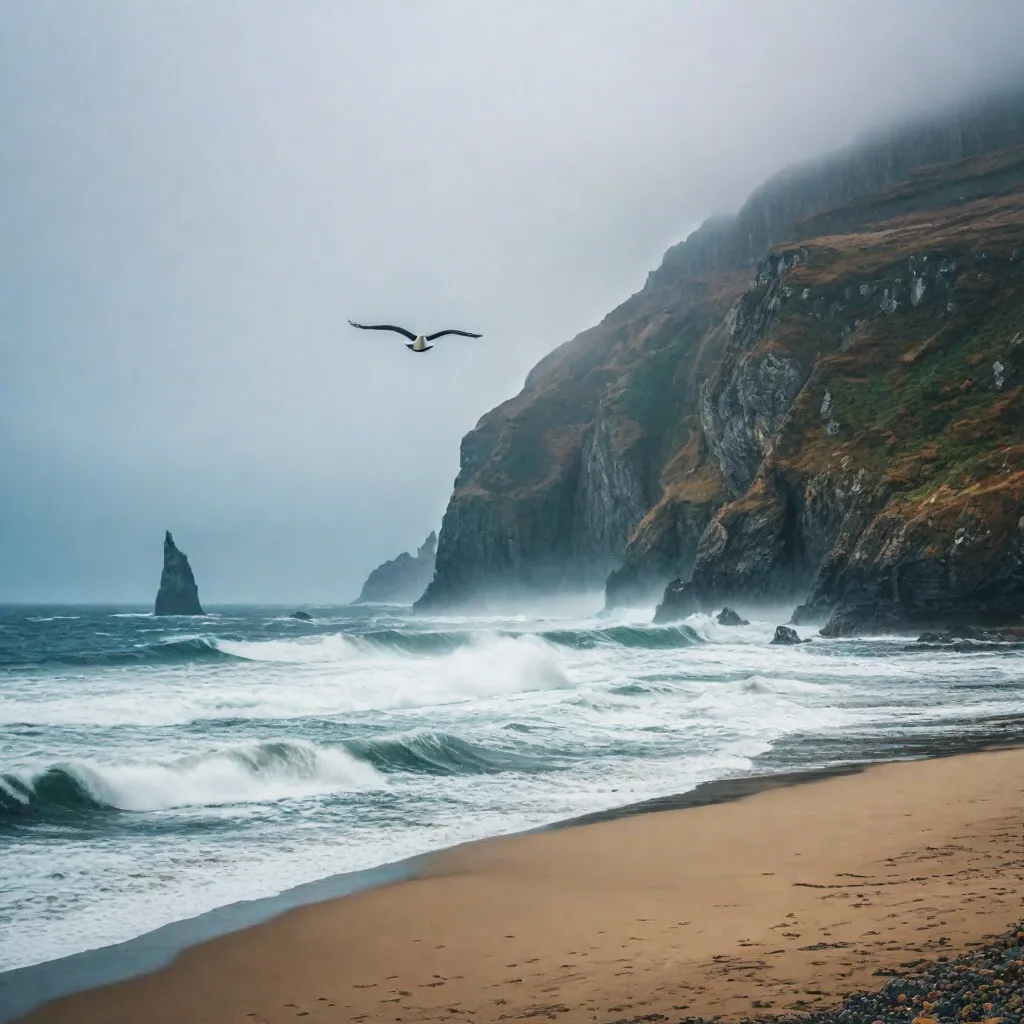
[[153, 769], [197, 198]]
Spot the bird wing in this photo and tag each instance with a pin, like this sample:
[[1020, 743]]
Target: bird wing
[[384, 327], [441, 334]]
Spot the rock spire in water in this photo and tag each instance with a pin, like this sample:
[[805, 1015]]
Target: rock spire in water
[[178, 594], [403, 579]]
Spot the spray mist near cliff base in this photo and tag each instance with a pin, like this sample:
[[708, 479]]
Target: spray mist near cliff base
[[225, 758]]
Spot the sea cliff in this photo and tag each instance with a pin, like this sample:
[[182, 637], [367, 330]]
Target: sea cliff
[[178, 593], [401, 580], [816, 401]]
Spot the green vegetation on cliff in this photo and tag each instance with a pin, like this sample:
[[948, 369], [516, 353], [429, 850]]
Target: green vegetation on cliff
[[892, 488], [823, 386]]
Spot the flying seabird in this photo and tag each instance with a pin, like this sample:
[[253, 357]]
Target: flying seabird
[[418, 341]]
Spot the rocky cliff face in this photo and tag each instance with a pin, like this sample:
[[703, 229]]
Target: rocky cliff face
[[884, 465], [873, 162], [178, 594], [649, 446], [553, 483], [403, 579]]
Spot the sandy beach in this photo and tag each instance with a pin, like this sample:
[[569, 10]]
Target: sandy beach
[[780, 901]]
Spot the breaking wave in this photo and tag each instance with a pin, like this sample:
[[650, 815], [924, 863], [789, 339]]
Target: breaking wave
[[246, 773], [431, 752], [249, 773], [181, 649], [652, 638], [341, 646], [324, 684]]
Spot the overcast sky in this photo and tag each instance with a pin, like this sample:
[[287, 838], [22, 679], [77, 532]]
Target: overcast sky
[[196, 195]]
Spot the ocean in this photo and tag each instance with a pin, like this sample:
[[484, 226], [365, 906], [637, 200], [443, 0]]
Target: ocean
[[152, 769]]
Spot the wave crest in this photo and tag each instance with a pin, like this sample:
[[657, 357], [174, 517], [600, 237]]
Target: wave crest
[[326, 648], [432, 752], [246, 773], [645, 637]]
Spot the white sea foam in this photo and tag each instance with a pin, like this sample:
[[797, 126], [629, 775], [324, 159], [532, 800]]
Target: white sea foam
[[515, 729], [242, 773], [282, 679], [304, 651], [707, 627]]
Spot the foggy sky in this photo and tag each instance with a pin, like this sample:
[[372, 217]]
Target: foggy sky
[[196, 195]]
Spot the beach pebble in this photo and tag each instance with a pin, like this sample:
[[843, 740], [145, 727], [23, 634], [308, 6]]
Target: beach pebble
[[985, 986]]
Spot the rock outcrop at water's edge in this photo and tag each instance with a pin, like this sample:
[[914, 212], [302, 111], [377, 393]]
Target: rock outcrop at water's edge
[[815, 402], [403, 579], [786, 635], [178, 593], [730, 617], [890, 495]]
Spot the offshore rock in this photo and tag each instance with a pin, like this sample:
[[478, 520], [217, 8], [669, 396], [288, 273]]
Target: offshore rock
[[679, 601], [967, 633], [178, 594], [786, 635], [403, 579], [301, 616], [728, 617], [965, 639]]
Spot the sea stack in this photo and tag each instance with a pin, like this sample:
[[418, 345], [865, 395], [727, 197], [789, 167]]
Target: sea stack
[[178, 594], [403, 579]]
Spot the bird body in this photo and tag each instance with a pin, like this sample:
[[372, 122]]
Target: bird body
[[417, 342]]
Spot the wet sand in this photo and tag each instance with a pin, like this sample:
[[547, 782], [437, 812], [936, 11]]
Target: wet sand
[[776, 901]]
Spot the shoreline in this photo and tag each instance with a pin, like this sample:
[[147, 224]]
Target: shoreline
[[23, 989], [802, 893], [29, 988]]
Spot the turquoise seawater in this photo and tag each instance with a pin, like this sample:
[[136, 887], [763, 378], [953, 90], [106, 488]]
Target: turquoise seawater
[[152, 769]]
